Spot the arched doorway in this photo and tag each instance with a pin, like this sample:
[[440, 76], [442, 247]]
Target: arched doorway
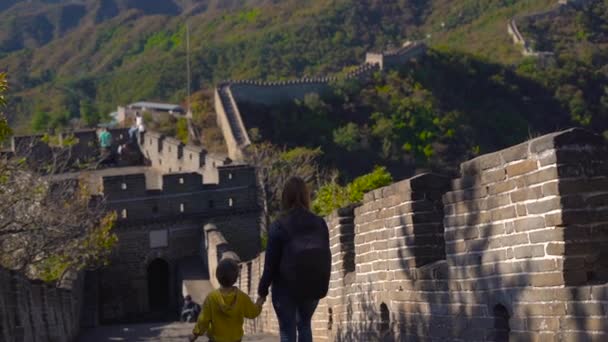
[[158, 285]]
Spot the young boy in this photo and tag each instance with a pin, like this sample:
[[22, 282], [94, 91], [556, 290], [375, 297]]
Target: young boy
[[224, 309]]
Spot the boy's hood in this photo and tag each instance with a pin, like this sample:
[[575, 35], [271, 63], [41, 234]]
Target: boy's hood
[[226, 301]]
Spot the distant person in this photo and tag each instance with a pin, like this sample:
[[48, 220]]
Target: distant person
[[105, 139], [138, 128], [298, 263], [191, 310], [224, 310]]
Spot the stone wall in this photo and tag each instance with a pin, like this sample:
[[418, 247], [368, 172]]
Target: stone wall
[[34, 311], [229, 94], [169, 155], [513, 249], [555, 11]]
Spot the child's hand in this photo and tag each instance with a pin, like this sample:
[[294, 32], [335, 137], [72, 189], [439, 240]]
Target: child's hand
[[260, 301]]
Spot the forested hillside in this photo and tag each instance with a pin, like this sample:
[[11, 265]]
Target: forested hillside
[[63, 55]]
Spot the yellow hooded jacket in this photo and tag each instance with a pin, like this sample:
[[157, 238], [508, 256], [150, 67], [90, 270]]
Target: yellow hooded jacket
[[223, 313]]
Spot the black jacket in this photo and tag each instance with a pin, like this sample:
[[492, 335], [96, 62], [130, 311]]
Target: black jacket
[[277, 239]]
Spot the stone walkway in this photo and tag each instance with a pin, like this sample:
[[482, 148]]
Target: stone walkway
[[161, 332]]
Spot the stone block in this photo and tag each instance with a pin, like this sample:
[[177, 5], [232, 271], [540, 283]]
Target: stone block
[[503, 213], [556, 249], [529, 223], [542, 176], [544, 206], [547, 235], [526, 194], [493, 176], [502, 187], [529, 251], [517, 152], [521, 168]]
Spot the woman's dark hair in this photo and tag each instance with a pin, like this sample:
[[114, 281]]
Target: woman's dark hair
[[227, 272], [295, 194]]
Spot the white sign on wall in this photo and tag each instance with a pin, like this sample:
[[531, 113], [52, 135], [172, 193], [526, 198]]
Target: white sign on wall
[[159, 238]]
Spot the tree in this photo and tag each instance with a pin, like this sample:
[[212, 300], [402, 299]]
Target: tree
[[274, 166], [332, 196], [49, 226], [40, 121], [348, 137], [89, 114], [181, 130], [5, 130]]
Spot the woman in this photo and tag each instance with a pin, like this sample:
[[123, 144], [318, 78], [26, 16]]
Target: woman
[[298, 263]]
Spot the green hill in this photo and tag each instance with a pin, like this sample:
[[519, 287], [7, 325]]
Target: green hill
[[108, 52]]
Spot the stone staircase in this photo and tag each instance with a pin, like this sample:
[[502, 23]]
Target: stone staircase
[[232, 115]]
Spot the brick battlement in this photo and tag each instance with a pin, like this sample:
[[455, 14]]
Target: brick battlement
[[513, 249], [180, 195]]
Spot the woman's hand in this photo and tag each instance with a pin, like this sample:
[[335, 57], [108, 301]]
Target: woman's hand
[[260, 301]]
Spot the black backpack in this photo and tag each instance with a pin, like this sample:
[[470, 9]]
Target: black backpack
[[306, 257]]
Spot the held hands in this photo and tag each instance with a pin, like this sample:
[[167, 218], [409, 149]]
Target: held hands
[[260, 301], [192, 338]]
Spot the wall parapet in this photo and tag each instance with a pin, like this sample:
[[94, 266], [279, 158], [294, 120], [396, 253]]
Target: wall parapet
[[513, 249], [31, 310]]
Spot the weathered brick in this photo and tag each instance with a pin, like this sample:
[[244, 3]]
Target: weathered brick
[[493, 176], [545, 235], [502, 187], [547, 279], [498, 201], [583, 336], [526, 194], [584, 323], [542, 324], [529, 223], [521, 168], [544, 206], [556, 249], [529, 251], [503, 213], [515, 239], [516, 152], [541, 176]]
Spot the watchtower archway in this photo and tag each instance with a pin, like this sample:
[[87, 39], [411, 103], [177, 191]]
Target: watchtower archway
[[158, 285]]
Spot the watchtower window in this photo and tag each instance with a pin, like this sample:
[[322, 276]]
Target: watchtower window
[[169, 148], [181, 180], [181, 207], [170, 170], [230, 202], [123, 213], [150, 143], [190, 156], [123, 186], [160, 162], [180, 169]]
